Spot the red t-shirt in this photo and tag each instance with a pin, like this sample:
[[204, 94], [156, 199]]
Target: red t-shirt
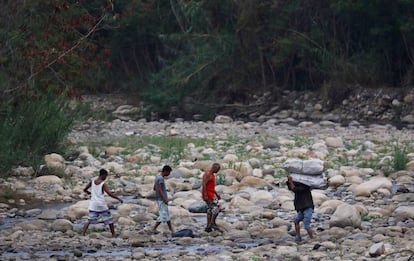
[[210, 186]]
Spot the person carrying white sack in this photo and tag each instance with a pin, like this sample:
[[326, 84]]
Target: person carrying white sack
[[308, 172], [304, 206]]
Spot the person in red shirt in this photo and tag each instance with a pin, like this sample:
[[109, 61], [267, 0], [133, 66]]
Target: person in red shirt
[[211, 197]]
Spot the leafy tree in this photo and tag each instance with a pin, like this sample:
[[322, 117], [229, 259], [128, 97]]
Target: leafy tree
[[46, 49], [49, 45]]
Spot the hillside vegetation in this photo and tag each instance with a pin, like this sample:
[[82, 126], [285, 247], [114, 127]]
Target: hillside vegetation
[[204, 53]]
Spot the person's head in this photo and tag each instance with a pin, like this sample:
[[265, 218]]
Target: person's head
[[103, 174], [215, 168], [166, 170]]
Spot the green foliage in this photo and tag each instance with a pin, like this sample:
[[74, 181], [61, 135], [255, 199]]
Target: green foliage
[[8, 194], [301, 141], [220, 179], [400, 159], [48, 46], [235, 166], [370, 163], [32, 129], [170, 148], [86, 112], [280, 173], [186, 57], [111, 183], [367, 218]]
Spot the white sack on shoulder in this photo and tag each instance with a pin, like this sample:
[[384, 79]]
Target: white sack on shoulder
[[293, 165], [313, 181], [309, 167], [312, 166]]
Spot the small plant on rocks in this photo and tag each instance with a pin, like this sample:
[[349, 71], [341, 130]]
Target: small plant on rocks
[[400, 159], [220, 179]]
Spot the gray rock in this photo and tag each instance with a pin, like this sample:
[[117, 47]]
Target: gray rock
[[198, 207], [61, 225], [376, 250]]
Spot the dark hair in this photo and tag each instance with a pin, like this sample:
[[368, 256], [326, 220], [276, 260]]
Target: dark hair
[[103, 172], [166, 168]]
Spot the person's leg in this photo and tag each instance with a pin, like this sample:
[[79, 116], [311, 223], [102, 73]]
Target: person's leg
[[299, 217], [112, 228], [156, 226], [215, 212], [307, 213], [92, 218], [209, 221], [213, 219], [310, 232], [297, 228], [163, 215], [106, 218], [170, 226], [209, 215], [85, 228]]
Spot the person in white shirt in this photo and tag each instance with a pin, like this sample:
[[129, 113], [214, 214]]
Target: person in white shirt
[[98, 209]]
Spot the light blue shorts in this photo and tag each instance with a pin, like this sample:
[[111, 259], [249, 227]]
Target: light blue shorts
[[306, 216], [163, 214]]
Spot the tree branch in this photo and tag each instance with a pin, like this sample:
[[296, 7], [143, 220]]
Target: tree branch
[[63, 54]]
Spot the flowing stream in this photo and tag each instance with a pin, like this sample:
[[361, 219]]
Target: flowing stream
[[117, 251]]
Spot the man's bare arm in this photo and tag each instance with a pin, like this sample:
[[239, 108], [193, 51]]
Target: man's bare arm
[[87, 187], [109, 192]]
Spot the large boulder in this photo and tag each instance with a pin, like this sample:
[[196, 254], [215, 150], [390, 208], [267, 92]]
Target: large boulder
[[345, 215], [404, 212], [30, 225], [252, 182], [48, 179], [372, 185], [54, 165], [77, 210], [198, 207], [62, 225]]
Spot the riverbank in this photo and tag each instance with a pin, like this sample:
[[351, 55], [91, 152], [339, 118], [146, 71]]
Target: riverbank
[[365, 214]]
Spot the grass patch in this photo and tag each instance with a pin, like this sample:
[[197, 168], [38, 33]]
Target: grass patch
[[280, 173], [7, 194], [400, 158], [366, 218], [371, 163], [220, 179], [301, 141], [168, 148], [12, 197], [32, 129]]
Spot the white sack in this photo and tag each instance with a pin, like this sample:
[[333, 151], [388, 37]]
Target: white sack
[[313, 181], [309, 167]]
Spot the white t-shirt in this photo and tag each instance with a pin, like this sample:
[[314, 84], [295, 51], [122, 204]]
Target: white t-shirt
[[97, 202]]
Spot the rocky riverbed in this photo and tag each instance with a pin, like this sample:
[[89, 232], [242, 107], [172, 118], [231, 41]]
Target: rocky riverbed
[[367, 212]]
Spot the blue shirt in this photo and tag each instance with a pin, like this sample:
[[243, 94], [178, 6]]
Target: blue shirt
[[160, 180]]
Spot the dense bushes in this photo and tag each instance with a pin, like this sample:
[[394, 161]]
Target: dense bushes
[[206, 51], [32, 129], [228, 51]]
